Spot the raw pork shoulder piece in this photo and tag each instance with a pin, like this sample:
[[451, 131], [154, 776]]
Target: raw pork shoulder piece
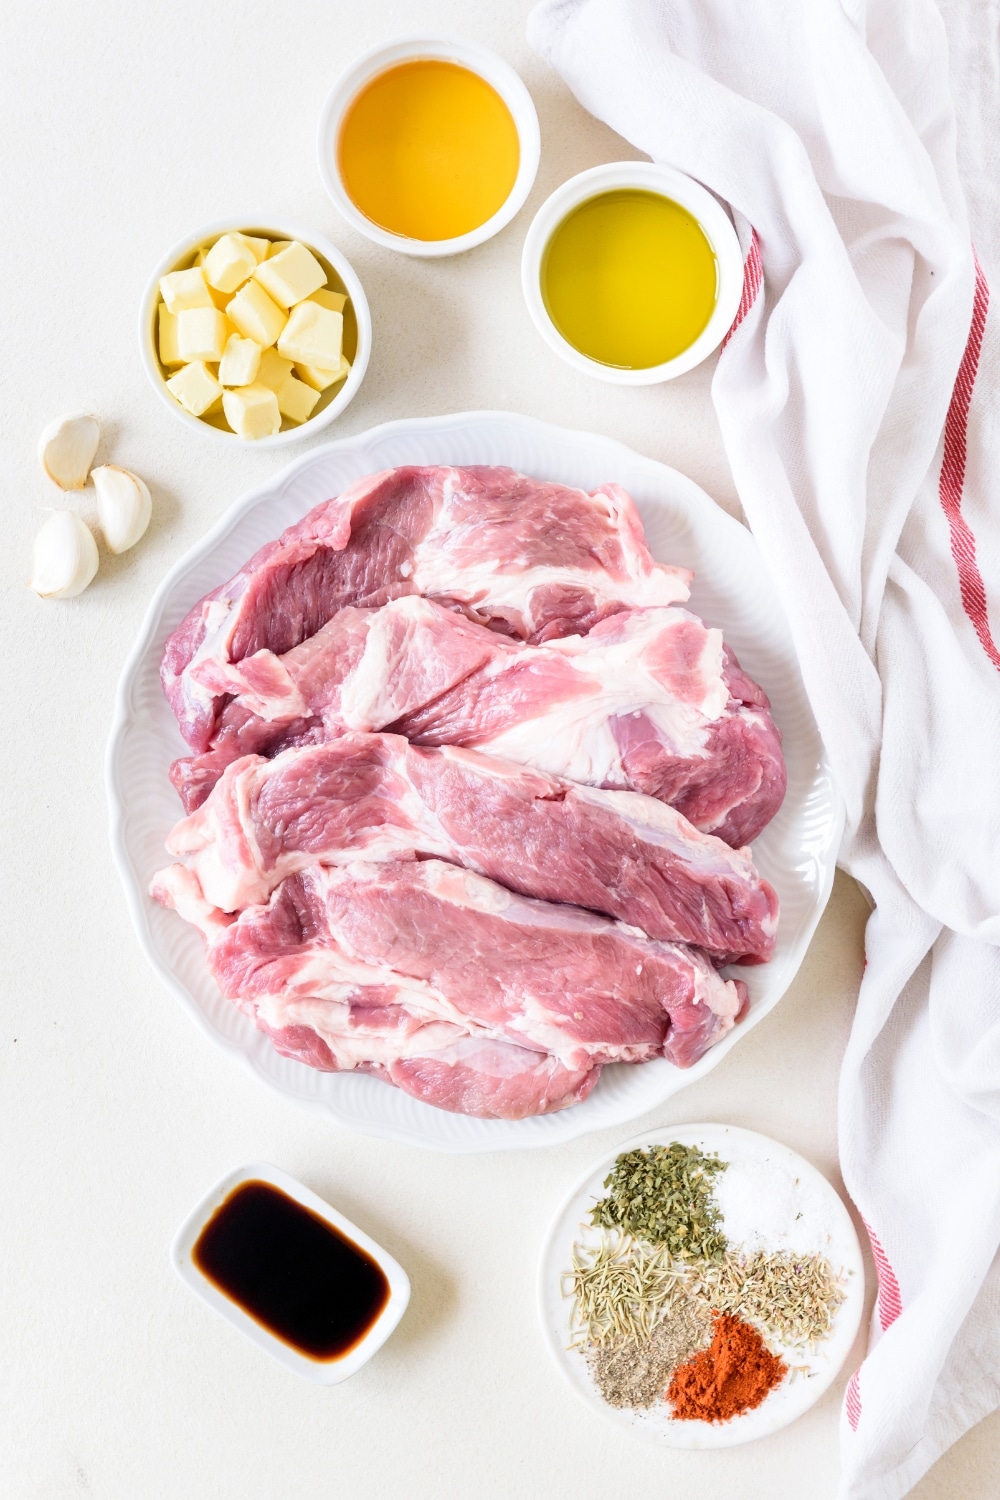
[[280, 966], [529, 558], [649, 700], [452, 947], [377, 797], [365, 668]]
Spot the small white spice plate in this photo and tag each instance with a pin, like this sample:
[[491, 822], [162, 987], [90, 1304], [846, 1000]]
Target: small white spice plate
[[817, 1223]]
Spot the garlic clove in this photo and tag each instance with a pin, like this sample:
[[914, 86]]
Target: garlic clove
[[123, 506], [65, 557], [66, 450]]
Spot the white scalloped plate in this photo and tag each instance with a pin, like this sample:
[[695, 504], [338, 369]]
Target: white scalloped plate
[[797, 852]]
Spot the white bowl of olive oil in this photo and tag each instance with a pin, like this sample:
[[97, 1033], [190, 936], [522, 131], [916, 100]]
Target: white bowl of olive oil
[[632, 272]]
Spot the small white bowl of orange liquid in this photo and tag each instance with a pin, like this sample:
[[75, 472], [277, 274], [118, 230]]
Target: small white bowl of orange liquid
[[428, 145], [632, 272]]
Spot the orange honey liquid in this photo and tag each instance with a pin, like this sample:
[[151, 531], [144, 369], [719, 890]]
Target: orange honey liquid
[[428, 150]]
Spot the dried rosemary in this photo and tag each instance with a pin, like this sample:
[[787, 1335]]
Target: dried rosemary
[[664, 1195], [792, 1297], [621, 1289]]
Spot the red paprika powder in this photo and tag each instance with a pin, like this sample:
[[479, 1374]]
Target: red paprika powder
[[731, 1376]]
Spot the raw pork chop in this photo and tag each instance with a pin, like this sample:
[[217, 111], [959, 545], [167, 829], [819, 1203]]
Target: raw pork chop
[[649, 700], [532, 559], [337, 1015], [450, 946], [377, 797]]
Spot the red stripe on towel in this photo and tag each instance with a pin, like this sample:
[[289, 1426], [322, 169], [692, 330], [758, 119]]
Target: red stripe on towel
[[952, 481], [890, 1301], [889, 1306], [753, 280]]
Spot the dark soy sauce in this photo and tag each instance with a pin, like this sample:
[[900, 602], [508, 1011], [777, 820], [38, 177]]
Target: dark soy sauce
[[291, 1271]]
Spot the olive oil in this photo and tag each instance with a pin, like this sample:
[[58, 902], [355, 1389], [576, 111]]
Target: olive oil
[[630, 279], [428, 150]]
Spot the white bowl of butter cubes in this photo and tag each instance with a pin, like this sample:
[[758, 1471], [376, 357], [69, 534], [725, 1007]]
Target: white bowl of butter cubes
[[255, 333]]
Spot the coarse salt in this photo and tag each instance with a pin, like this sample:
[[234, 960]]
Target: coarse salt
[[766, 1206]]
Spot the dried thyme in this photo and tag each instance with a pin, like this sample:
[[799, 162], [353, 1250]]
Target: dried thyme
[[664, 1195], [635, 1372], [792, 1297]]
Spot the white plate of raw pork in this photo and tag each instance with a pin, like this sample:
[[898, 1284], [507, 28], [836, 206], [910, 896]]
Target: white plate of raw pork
[[795, 853]]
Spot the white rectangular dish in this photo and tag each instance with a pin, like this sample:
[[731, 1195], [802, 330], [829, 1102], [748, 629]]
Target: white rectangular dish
[[322, 1371]]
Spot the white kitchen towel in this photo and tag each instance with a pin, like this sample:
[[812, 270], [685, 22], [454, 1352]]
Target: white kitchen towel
[[858, 397]]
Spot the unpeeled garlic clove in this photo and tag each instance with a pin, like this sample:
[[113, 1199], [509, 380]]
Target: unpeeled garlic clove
[[66, 450], [123, 506], [65, 557]]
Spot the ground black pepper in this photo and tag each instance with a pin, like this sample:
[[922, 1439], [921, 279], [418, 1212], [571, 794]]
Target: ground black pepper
[[635, 1372]]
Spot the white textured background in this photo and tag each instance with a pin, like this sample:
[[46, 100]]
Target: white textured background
[[123, 126]]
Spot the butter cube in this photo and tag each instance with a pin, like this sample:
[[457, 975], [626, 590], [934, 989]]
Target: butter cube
[[321, 380], [252, 411], [218, 298], [258, 245], [335, 301], [182, 290], [291, 274], [276, 247], [240, 361], [195, 387], [296, 399], [167, 336], [230, 262], [273, 369], [313, 336], [202, 333], [253, 314]]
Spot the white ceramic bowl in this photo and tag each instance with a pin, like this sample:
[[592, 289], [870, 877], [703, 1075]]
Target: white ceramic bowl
[[445, 49], [342, 277], [647, 177], [322, 1371]]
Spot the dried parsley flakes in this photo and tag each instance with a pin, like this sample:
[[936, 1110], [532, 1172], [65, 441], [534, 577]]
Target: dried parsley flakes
[[664, 1195]]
